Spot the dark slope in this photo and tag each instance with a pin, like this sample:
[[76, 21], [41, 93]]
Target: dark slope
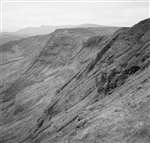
[[109, 102], [83, 87]]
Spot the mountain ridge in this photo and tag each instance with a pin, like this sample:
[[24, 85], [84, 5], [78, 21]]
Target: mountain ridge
[[42, 30]]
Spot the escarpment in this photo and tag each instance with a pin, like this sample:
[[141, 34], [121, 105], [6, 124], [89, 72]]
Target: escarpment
[[82, 87]]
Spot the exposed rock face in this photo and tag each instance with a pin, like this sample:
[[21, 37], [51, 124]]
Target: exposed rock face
[[80, 86]]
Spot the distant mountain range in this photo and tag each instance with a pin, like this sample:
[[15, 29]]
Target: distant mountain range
[[30, 31], [41, 30]]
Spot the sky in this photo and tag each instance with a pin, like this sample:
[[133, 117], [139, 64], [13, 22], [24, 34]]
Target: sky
[[19, 14]]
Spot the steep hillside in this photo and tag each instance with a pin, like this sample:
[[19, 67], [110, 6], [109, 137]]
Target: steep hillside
[[82, 86], [51, 51]]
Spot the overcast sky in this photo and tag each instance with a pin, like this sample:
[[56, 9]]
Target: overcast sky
[[17, 15]]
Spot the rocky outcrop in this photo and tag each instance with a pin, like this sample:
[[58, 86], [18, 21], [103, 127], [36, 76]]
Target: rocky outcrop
[[83, 87]]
